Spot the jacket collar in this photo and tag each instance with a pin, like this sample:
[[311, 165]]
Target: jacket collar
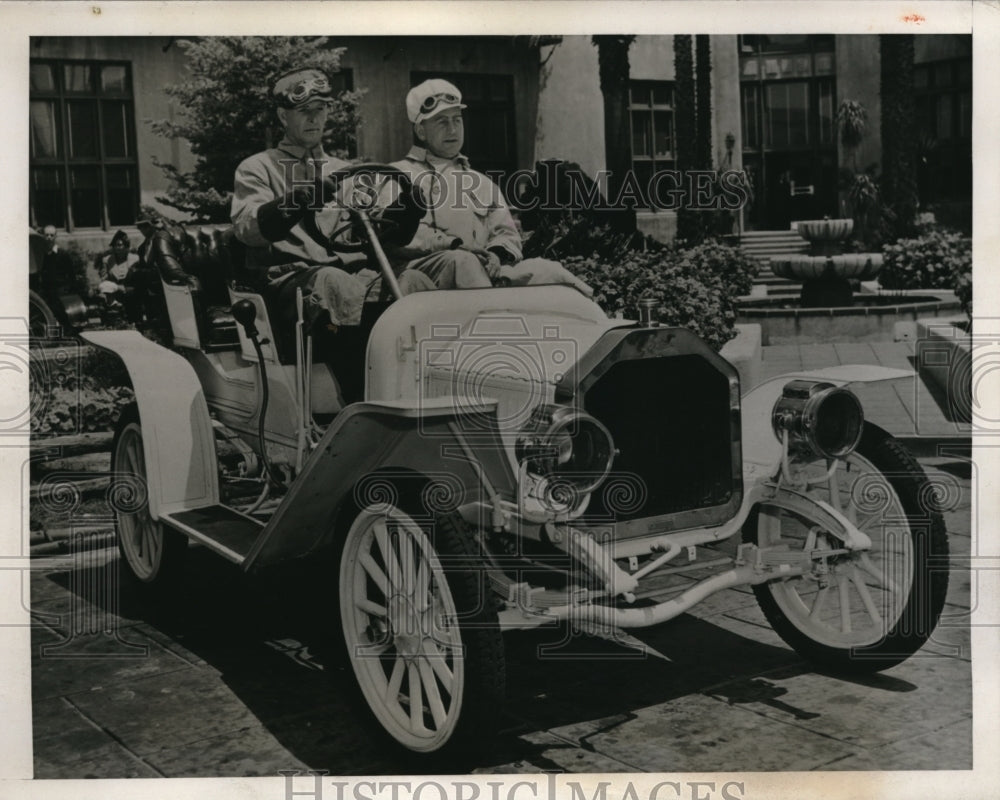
[[420, 154], [301, 153]]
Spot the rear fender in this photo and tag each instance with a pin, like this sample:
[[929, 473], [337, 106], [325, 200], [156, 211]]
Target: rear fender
[[761, 448], [177, 436], [373, 447]]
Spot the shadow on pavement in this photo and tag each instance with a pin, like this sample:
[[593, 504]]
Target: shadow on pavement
[[274, 644]]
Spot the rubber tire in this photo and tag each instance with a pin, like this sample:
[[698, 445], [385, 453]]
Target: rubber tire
[[171, 563], [930, 582], [485, 667], [41, 318]]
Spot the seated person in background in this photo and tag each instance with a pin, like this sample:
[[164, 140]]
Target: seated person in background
[[120, 277], [273, 192], [467, 238]]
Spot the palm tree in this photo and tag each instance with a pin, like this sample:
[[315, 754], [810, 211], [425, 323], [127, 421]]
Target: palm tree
[[899, 142], [703, 88], [686, 130], [612, 55]]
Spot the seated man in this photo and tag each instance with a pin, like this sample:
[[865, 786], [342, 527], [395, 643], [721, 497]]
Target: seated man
[[273, 192], [468, 237]]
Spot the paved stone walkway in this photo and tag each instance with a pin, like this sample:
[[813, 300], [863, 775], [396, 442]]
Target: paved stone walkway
[[236, 679], [907, 408], [233, 678]]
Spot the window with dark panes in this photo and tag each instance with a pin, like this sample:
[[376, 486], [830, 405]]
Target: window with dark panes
[[651, 117], [490, 142], [82, 140], [943, 99]]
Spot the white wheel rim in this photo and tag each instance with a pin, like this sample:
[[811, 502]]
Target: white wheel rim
[[141, 537], [401, 628], [863, 595]]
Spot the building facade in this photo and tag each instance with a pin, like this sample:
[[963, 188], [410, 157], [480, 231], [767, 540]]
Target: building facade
[[94, 157]]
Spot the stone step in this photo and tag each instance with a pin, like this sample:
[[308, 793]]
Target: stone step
[[770, 236], [765, 245], [791, 236], [789, 244]]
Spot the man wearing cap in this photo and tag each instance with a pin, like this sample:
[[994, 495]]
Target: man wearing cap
[[273, 192], [467, 238]]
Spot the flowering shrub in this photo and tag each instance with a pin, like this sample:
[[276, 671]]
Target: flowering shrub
[[963, 287], [694, 288], [80, 409], [930, 261], [731, 265], [86, 399]]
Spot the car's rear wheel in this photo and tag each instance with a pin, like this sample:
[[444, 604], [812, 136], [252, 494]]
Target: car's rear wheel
[[860, 612], [420, 630], [42, 322], [151, 553]]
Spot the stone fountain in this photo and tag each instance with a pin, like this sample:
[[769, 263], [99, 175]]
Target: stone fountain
[[827, 310], [826, 273]]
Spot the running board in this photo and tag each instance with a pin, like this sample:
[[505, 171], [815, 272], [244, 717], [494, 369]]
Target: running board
[[220, 528]]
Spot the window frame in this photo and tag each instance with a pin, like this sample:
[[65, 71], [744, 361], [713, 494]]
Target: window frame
[[654, 162], [64, 161]]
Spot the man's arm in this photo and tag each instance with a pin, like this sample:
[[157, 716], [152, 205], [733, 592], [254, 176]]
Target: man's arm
[[503, 238], [251, 190], [427, 239]]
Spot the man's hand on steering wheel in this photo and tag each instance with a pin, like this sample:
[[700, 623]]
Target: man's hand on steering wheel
[[395, 223]]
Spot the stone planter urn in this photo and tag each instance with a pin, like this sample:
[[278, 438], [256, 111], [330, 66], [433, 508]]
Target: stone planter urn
[[825, 235], [826, 273]]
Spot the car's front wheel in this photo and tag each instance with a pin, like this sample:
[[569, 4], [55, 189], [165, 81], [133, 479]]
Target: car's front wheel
[[420, 628], [867, 611]]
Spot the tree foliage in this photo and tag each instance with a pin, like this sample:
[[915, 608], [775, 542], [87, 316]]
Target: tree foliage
[[226, 112], [852, 119]]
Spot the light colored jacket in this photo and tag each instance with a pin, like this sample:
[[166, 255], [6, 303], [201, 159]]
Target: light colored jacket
[[268, 175], [464, 204]]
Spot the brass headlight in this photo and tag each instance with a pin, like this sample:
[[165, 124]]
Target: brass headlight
[[824, 419], [566, 446]]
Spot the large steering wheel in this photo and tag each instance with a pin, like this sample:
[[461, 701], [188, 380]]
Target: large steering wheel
[[394, 215]]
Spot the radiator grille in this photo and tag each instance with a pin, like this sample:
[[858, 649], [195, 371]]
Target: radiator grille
[[671, 420]]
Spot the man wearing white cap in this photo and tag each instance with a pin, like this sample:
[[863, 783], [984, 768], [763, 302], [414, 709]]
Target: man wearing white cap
[[467, 237], [273, 192]]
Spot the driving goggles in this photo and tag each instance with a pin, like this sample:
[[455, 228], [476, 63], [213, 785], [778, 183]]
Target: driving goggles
[[303, 89], [432, 102]]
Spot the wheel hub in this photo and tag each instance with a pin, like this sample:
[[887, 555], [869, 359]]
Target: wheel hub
[[405, 623]]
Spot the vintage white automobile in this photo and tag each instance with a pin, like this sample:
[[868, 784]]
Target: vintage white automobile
[[517, 459]]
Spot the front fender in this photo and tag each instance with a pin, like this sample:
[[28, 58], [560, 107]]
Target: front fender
[[761, 448], [369, 447], [177, 437]]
